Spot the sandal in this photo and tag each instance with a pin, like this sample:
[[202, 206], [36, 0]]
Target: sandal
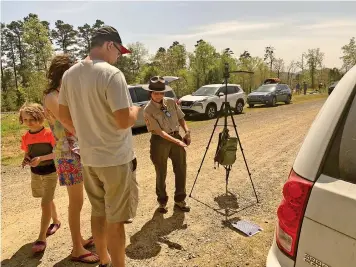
[[53, 228], [90, 243], [83, 258], [39, 247]]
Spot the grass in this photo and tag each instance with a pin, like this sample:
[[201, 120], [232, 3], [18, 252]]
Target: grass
[[11, 131]]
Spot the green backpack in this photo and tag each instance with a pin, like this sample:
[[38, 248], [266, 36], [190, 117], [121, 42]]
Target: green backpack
[[226, 151]]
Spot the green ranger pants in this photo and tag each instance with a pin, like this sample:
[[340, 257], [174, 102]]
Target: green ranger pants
[[161, 150]]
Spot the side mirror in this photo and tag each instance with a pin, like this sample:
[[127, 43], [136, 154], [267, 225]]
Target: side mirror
[[221, 94]]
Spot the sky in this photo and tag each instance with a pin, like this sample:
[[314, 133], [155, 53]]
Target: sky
[[290, 27]]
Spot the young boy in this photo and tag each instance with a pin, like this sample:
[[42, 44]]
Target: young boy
[[37, 143]]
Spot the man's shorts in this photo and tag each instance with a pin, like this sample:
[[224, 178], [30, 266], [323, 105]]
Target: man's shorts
[[112, 191], [44, 186]]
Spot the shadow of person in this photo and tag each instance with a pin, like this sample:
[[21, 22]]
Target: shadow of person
[[145, 244], [23, 257]]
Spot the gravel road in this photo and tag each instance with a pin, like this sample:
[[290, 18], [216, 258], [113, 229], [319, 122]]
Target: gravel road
[[270, 137]]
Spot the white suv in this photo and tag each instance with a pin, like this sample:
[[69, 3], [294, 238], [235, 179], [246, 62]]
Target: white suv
[[209, 98], [316, 223]]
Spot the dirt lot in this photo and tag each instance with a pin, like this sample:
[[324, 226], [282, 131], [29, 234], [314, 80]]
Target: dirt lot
[[270, 137]]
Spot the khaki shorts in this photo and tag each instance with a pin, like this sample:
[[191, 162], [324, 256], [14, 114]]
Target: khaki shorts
[[44, 186], [112, 191]]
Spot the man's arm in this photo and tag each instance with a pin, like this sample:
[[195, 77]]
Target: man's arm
[[66, 119], [126, 117], [119, 100]]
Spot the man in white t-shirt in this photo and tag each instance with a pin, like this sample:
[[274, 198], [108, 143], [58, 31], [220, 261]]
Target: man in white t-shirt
[[95, 100]]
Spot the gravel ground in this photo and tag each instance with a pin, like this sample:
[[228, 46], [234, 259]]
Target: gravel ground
[[270, 137]]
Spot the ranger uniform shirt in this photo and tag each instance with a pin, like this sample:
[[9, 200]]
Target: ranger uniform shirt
[[163, 116]]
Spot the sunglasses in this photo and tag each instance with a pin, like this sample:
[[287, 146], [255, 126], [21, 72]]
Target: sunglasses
[[166, 112], [157, 79], [118, 49]]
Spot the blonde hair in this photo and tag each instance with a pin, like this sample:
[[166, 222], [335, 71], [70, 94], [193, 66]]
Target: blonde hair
[[34, 110]]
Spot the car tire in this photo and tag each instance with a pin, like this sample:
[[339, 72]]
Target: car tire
[[239, 107], [251, 105], [288, 100], [210, 111], [274, 102]]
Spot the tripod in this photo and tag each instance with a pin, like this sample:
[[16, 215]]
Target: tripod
[[226, 111]]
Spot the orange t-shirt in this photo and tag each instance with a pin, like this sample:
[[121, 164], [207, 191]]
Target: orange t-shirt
[[37, 144]]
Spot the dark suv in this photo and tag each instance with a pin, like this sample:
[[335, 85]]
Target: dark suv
[[270, 94]]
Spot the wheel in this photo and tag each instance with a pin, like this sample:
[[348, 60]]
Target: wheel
[[239, 107], [274, 102], [210, 111], [251, 105], [288, 100]]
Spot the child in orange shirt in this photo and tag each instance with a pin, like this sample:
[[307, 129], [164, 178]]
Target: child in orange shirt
[[38, 143]]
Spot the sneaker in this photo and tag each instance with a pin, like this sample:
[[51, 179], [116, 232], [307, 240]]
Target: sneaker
[[182, 206], [163, 208]]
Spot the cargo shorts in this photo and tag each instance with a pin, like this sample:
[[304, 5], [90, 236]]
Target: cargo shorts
[[44, 186], [112, 191]]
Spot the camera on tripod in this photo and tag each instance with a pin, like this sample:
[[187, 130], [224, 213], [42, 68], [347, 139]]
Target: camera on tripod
[[225, 154]]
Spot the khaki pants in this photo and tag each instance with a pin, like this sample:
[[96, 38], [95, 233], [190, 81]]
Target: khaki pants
[[44, 186], [161, 150], [112, 191]]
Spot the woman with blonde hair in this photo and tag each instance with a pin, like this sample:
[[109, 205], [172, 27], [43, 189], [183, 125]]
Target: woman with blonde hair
[[67, 159]]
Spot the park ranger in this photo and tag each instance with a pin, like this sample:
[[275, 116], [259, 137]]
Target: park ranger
[[163, 118]]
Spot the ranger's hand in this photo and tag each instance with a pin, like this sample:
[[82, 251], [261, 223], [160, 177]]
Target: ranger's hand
[[187, 139], [181, 143]]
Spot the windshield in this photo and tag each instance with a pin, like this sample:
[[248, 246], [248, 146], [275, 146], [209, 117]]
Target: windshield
[[206, 90], [266, 88]]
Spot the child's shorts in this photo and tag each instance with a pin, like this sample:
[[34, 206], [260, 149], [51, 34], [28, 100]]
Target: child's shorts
[[44, 186]]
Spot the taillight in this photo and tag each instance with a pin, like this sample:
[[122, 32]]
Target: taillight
[[291, 211]]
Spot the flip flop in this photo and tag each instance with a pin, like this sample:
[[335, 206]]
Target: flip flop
[[83, 259], [39, 247], [53, 228], [90, 243]]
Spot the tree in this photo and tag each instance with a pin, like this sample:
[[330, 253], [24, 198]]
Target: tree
[[349, 57], [64, 36], [85, 33], [291, 68], [36, 36], [278, 66], [269, 56], [9, 46], [202, 62], [131, 64], [314, 60]]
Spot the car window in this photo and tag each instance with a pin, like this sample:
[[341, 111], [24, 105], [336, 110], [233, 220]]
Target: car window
[[142, 94], [341, 157], [231, 90], [169, 94], [133, 95]]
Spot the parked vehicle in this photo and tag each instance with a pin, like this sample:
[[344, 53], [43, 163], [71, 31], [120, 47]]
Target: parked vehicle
[[140, 97], [270, 94], [316, 217], [332, 86], [209, 98]]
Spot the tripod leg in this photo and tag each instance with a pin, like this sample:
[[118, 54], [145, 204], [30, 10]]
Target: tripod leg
[[243, 154], [206, 150]]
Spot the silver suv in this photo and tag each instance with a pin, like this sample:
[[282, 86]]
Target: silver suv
[[208, 99], [316, 219]]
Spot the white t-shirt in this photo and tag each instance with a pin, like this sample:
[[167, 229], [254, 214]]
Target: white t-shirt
[[93, 90]]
